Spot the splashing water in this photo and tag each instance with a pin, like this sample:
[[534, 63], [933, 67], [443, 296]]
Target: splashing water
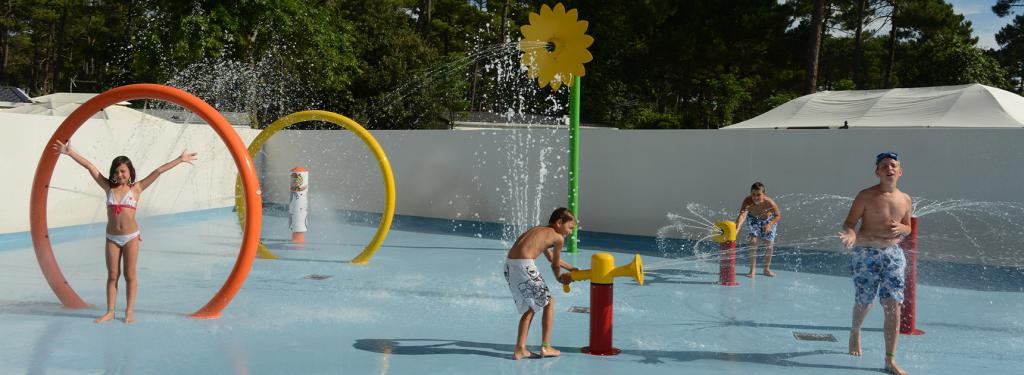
[[515, 101], [525, 181], [953, 230], [498, 85], [693, 225], [970, 231], [261, 89]]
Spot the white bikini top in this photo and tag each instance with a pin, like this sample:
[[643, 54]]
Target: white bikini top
[[128, 201]]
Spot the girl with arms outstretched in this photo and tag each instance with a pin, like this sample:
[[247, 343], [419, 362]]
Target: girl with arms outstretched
[[122, 244]]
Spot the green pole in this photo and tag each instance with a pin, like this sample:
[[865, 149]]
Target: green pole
[[574, 158]]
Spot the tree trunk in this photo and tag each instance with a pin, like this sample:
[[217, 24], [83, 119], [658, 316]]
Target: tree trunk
[[124, 51], [48, 61], [814, 47], [504, 20], [58, 48], [892, 47], [5, 43], [472, 88], [426, 8], [451, 113], [858, 48], [3, 55], [34, 71]]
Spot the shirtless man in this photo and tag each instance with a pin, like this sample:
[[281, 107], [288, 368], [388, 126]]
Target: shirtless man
[[877, 261], [528, 288], [761, 214]]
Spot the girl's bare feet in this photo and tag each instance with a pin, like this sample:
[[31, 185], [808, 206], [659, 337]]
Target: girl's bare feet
[[769, 273], [855, 343], [892, 368], [547, 351], [109, 315], [521, 353], [749, 274], [129, 317]]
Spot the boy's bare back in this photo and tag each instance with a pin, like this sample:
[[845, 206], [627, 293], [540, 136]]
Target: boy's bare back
[[534, 241]]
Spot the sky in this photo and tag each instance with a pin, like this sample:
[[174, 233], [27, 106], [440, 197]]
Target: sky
[[986, 24]]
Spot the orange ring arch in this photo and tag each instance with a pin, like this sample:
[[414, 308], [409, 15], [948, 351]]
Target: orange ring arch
[[44, 172]]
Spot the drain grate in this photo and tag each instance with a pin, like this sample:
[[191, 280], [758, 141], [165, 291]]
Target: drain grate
[[579, 309], [804, 336], [317, 277]]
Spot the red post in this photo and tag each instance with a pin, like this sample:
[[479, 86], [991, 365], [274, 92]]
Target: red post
[[908, 311], [601, 321], [727, 264]]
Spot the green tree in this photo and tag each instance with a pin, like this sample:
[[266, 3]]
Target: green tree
[[1004, 8], [814, 46], [419, 63], [31, 44], [267, 58], [178, 33], [851, 17], [1011, 42], [453, 25], [660, 63], [1011, 52], [948, 60], [402, 81]]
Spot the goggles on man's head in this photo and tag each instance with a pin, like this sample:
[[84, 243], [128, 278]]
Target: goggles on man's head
[[887, 154]]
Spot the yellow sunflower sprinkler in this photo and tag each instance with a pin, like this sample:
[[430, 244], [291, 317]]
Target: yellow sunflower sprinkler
[[555, 45], [554, 49]]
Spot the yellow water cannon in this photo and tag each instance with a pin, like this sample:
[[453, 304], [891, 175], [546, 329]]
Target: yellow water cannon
[[726, 239], [727, 232], [602, 274], [603, 270]]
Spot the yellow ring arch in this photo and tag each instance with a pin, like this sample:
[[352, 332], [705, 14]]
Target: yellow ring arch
[[347, 123]]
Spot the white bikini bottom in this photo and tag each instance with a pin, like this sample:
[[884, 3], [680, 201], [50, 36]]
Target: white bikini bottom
[[121, 239]]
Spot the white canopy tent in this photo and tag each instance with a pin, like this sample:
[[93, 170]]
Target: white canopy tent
[[964, 106], [62, 104]]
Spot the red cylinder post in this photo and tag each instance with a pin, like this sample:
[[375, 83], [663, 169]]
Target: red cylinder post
[[908, 311], [727, 265], [601, 320]]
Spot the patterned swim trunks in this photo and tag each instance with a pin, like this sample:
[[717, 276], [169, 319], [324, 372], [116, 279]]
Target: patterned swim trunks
[[755, 228], [878, 271], [528, 289]]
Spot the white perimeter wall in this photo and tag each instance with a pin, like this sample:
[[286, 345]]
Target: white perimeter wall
[[74, 197], [633, 182]]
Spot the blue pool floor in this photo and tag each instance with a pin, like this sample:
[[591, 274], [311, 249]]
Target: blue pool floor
[[436, 303]]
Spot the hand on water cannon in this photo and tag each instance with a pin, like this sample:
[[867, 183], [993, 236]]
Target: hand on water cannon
[[565, 277]]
